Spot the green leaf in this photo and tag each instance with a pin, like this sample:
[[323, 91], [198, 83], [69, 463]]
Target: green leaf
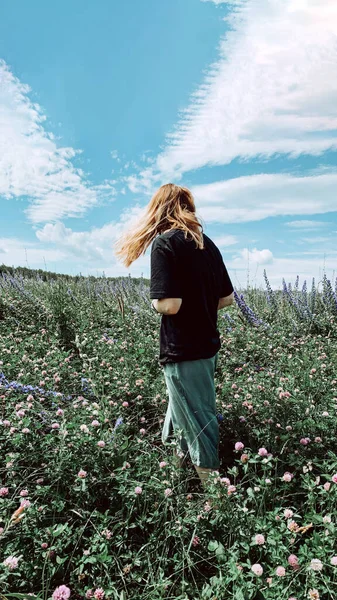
[[212, 546], [59, 529], [220, 551]]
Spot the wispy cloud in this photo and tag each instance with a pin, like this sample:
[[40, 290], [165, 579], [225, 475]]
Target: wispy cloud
[[316, 240], [221, 1], [257, 197], [33, 165], [273, 90], [305, 224]]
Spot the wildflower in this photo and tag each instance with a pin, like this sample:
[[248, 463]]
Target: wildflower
[[287, 476], [101, 444], [3, 492], [292, 526], [244, 458], [168, 492], [61, 593], [293, 560], [288, 513], [327, 486], [257, 569], [316, 564], [195, 541], [82, 474], [304, 441], [333, 561], [225, 481], [95, 423], [24, 493], [313, 594], [99, 594], [280, 571], [262, 452], [142, 431], [239, 446], [11, 562], [84, 428], [59, 412], [259, 539], [231, 489], [25, 430], [327, 519], [334, 478], [126, 404], [138, 490], [107, 533], [162, 464], [89, 594], [44, 546]]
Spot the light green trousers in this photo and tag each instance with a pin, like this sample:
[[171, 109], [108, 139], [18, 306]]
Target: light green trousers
[[191, 409]]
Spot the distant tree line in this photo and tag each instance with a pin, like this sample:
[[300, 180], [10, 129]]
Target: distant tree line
[[49, 275]]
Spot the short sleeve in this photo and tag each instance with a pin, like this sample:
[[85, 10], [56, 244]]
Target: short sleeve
[[164, 272], [226, 287]]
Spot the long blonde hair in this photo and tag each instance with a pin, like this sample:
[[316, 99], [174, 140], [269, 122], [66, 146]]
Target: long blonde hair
[[171, 207]]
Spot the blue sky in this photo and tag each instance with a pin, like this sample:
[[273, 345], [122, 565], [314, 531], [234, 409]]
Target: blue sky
[[101, 103]]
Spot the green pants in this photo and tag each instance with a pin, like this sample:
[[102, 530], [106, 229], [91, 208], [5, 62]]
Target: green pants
[[192, 409]]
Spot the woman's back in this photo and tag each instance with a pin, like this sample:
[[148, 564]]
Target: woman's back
[[200, 278]]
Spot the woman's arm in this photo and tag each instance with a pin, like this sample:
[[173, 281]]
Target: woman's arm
[[167, 306]]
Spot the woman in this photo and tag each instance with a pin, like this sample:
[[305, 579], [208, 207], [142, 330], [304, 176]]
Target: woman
[[189, 284]]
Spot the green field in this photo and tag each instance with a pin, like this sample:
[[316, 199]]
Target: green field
[[91, 499]]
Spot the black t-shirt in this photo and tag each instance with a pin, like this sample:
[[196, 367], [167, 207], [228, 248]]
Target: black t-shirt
[[181, 270]]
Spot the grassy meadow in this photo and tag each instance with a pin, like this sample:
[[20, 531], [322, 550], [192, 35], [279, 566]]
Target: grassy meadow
[[92, 504]]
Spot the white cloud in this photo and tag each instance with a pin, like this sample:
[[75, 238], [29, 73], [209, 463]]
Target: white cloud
[[93, 245], [257, 197], [260, 257], [305, 224], [22, 253], [32, 164], [273, 90], [279, 268], [225, 240]]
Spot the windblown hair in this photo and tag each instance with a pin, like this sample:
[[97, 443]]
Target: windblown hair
[[171, 207]]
